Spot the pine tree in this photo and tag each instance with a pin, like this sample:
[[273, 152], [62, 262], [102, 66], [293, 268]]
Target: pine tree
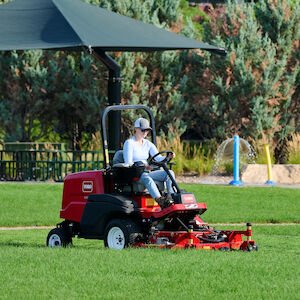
[[23, 82], [251, 91]]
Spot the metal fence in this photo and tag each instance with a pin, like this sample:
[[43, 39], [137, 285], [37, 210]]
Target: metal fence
[[41, 165]]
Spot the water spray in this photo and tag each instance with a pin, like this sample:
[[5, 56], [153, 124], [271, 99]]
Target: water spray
[[234, 150]]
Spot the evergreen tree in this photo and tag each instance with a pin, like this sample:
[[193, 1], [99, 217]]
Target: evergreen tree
[[76, 96], [251, 89], [23, 82]]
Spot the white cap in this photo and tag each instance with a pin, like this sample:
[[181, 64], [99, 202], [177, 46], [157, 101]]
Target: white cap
[[142, 123]]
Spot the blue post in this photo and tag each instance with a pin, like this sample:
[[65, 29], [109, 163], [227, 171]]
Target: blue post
[[236, 161]]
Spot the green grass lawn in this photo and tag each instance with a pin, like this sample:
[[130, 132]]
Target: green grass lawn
[[29, 270], [30, 204], [26, 204], [228, 204]]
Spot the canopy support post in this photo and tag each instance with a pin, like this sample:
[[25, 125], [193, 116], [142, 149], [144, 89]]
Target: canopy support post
[[114, 98]]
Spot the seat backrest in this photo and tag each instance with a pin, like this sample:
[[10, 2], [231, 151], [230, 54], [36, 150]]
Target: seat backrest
[[118, 157]]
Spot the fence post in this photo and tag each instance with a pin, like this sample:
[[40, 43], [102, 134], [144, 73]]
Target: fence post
[[269, 165]]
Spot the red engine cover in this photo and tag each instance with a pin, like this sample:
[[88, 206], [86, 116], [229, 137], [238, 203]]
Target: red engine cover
[[77, 188]]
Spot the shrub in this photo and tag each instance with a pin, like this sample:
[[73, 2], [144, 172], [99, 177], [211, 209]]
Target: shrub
[[190, 158]]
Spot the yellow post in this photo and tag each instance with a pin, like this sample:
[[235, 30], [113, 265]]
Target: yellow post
[[269, 165]]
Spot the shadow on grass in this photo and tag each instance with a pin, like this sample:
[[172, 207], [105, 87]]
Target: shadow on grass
[[21, 244]]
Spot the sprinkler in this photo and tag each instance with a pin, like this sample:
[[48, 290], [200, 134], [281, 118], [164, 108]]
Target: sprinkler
[[236, 161], [234, 151]]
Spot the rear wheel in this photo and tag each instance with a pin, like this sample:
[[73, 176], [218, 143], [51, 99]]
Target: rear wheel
[[120, 234], [58, 237]]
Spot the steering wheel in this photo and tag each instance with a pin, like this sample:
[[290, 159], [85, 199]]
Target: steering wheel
[[166, 160]]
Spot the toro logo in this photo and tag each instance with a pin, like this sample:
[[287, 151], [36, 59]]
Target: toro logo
[[87, 186], [188, 199]]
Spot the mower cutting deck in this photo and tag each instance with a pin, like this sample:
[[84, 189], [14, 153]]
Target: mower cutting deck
[[196, 234], [112, 205]]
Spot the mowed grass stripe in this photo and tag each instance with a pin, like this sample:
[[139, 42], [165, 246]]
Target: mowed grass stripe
[[89, 271], [25, 204], [229, 204], [29, 270]]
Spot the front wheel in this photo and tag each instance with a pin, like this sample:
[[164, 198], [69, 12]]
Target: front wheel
[[120, 234], [58, 237]]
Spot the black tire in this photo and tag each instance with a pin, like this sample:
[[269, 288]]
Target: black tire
[[58, 237], [251, 248], [121, 233]]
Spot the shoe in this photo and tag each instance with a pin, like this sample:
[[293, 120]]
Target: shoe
[[165, 201]]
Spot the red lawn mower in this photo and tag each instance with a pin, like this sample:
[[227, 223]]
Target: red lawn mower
[[113, 205]]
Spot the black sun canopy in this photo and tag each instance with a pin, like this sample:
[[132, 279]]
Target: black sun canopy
[[63, 24], [51, 24]]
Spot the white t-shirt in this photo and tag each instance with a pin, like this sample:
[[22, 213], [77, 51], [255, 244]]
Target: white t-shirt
[[139, 152]]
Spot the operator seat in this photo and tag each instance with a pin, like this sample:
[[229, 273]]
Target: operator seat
[[123, 174], [118, 158]]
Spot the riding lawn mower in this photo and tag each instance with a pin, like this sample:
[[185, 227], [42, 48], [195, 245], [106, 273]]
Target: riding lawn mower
[[113, 205]]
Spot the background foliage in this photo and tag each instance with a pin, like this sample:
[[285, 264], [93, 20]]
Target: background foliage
[[254, 91]]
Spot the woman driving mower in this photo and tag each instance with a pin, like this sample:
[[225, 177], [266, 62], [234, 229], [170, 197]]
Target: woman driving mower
[[138, 148]]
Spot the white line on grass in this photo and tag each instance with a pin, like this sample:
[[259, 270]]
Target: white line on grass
[[26, 227]]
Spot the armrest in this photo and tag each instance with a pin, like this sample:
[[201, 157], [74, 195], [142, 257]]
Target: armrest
[[121, 165]]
